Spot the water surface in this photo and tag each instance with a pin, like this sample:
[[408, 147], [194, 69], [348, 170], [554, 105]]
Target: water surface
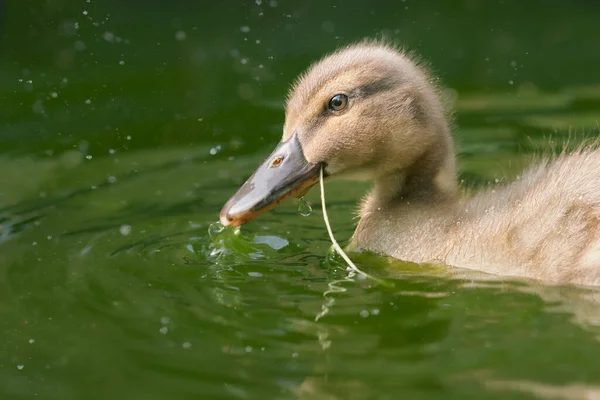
[[125, 126]]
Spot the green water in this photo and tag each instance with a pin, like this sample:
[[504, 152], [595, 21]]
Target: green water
[[125, 126]]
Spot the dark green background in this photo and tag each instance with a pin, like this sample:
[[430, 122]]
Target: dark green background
[[125, 125]]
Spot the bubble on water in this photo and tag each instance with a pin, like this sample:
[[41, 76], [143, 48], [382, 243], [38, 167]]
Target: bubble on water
[[38, 107], [255, 274], [213, 151], [85, 12], [328, 26], [109, 37], [273, 3], [111, 179], [513, 64], [88, 157], [88, 101], [364, 313], [112, 151], [121, 62], [510, 82], [180, 35], [215, 229], [164, 330], [375, 311], [79, 45], [186, 345], [20, 367], [248, 349], [31, 341], [165, 320], [244, 61], [125, 230], [258, 2], [128, 137], [304, 208], [54, 95]]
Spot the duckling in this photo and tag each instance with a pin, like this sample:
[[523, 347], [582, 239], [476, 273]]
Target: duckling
[[370, 111]]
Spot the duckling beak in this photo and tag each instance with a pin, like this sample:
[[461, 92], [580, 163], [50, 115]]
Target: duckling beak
[[285, 173]]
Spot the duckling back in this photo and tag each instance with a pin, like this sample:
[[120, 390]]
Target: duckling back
[[545, 225]]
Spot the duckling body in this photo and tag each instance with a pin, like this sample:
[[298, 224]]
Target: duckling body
[[544, 226], [369, 111]]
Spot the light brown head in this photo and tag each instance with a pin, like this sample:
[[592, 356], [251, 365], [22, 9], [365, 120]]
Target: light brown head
[[366, 111]]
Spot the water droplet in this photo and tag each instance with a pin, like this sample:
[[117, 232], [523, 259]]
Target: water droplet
[[125, 230], [304, 208], [214, 229]]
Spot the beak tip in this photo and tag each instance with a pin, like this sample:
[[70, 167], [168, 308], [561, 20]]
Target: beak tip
[[224, 217]]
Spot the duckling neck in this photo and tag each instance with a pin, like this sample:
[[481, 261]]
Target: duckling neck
[[431, 180], [403, 205]]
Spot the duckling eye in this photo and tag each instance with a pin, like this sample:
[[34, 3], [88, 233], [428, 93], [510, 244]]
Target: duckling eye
[[338, 102], [276, 161]]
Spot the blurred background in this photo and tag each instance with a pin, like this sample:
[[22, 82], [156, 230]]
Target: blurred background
[[91, 70], [126, 124]]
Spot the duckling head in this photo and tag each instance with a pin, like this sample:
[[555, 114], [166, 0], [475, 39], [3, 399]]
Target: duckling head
[[366, 112]]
